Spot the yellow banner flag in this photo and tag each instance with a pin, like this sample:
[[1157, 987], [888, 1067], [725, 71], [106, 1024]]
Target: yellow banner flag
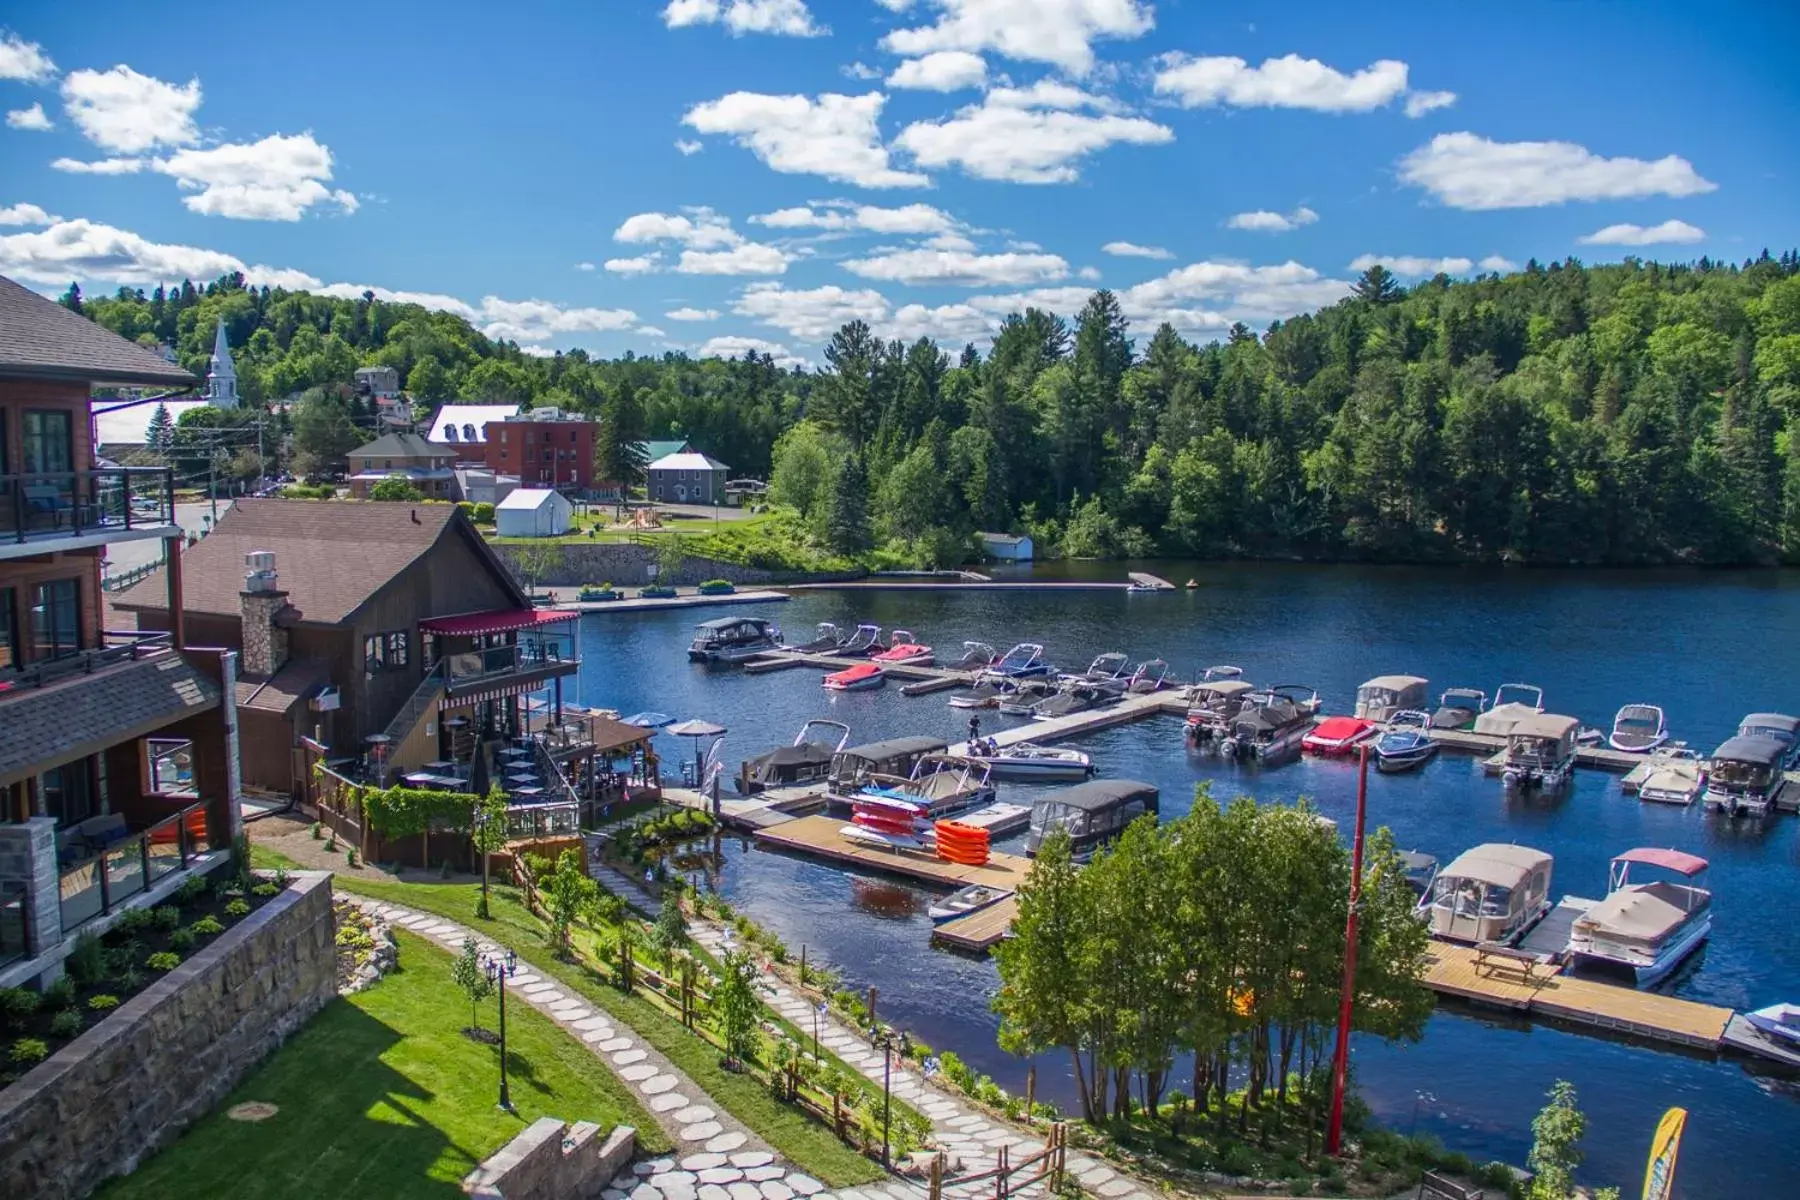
[[1659, 1172]]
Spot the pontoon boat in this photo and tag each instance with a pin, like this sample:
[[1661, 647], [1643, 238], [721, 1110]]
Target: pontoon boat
[[807, 760], [1513, 702], [1385, 695], [1213, 704], [1540, 751], [1676, 776], [1093, 814], [852, 767], [1457, 708], [1744, 774], [1780, 726], [1030, 761], [1638, 729], [904, 649], [862, 677], [1492, 893], [1406, 744], [733, 640], [1266, 728], [1648, 927]]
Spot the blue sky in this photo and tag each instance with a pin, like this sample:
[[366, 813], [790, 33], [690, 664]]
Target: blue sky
[[711, 174]]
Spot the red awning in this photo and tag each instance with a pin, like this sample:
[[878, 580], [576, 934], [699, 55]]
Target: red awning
[[1673, 860], [503, 620]]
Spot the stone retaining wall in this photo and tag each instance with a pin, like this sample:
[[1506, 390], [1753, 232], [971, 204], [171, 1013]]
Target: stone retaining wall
[[166, 1057], [628, 565], [553, 1160]]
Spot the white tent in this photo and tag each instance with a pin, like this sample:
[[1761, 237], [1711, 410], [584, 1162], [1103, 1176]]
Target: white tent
[[533, 512]]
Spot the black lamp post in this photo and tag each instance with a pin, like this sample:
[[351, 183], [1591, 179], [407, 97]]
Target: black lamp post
[[887, 1092], [498, 970]]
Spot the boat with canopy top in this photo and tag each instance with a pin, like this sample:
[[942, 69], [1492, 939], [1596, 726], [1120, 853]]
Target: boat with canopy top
[[1646, 927], [1489, 893]]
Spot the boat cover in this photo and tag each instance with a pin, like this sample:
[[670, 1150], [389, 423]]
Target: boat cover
[[1643, 912], [1498, 863], [1762, 721], [1098, 795], [720, 624], [1670, 860], [1545, 725], [1753, 748], [894, 748], [1393, 683]]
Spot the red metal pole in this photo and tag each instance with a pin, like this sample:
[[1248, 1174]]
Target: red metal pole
[[1340, 1064]]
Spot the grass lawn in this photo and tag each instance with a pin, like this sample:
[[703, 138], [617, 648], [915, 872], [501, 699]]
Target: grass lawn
[[381, 1095], [809, 1145]]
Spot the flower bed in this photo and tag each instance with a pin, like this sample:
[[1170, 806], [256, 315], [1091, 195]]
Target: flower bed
[[717, 587], [657, 592], [589, 594], [103, 972]]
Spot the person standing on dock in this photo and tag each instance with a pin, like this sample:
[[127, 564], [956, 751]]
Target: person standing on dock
[[974, 730]]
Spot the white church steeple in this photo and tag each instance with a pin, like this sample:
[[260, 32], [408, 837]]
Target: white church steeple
[[221, 379]]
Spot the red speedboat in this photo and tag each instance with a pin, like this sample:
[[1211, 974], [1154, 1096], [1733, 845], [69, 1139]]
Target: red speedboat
[[861, 677], [1335, 736], [904, 650]]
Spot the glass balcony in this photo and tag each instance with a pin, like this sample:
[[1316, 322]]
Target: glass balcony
[[116, 503], [134, 864]]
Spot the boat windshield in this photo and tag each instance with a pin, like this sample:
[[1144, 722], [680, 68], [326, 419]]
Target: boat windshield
[[1497, 902], [1739, 774], [1637, 723], [1047, 817]]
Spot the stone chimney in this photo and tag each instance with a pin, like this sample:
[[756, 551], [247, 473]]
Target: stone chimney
[[265, 642]]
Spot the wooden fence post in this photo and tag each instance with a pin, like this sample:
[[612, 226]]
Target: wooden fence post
[[1000, 1176], [1030, 1092], [873, 1020], [803, 964], [1059, 1133], [625, 964], [937, 1176]]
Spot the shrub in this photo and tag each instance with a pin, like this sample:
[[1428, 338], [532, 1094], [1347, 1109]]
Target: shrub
[[167, 916], [264, 889], [191, 890], [350, 856], [207, 926], [181, 940], [483, 514], [27, 1051], [16, 1006], [134, 921], [86, 963], [163, 960], [131, 979], [103, 1001], [238, 908], [317, 832], [66, 1024], [60, 995]]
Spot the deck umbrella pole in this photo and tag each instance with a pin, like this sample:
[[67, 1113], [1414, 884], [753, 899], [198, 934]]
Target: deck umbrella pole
[[1340, 1064]]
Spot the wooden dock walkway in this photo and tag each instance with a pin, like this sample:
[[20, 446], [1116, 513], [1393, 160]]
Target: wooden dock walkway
[[939, 678], [1131, 708], [773, 807], [1548, 993], [980, 931], [818, 837]]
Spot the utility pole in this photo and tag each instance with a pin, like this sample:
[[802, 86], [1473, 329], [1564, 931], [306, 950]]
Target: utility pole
[[1340, 1064]]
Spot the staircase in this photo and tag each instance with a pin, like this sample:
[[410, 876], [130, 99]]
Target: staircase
[[423, 700]]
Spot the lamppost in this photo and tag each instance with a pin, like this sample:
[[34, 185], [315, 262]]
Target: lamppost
[[887, 1090], [818, 1011], [498, 971]]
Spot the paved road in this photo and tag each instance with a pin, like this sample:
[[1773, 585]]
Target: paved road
[[193, 518]]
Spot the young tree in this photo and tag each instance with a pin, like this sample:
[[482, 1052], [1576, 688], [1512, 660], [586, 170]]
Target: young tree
[[160, 434], [1556, 1134], [536, 560], [736, 1006], [670, 933], [570, 896], [847, 510], [487, 830], [396, 488], [467, 973], [671, 557]]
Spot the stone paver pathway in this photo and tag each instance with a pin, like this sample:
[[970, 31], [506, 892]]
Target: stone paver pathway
[[969, 1136]]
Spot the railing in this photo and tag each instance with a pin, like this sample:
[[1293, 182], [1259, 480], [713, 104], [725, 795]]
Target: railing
[[339, 809], [126, 647], [77, 503], [561, 819], [472, 666], [136, 864], [118, 581]]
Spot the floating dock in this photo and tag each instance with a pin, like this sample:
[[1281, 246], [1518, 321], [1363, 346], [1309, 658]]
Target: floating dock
[[925, 679], [818, 837], [981, 930], [772, 807], [1131, 708], [655, 603]]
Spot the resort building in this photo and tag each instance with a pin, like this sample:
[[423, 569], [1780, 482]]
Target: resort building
[[377, 637], [117, 769], [545, 448], [423, 464], [688, 478]]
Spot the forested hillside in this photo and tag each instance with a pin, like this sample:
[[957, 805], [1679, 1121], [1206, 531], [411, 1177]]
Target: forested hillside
[[1621, 414]]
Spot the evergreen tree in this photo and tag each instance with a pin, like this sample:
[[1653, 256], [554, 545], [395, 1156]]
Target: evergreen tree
[[160, 434], [620, 455], [1377, 286], [71, 299], [847, 510]]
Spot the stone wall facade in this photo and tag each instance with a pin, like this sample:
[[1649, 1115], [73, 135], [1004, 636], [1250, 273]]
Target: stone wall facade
[[28, 868], [553, 1160], [130, 1085]]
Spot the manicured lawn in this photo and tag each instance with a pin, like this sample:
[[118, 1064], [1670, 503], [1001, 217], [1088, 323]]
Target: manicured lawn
[[809, 1145], [382, 1096]]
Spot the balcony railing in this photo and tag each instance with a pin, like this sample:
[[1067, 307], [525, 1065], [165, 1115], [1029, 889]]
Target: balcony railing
[[561, 819], [476, 665], [134, 864], [73, 504], [123, 646]]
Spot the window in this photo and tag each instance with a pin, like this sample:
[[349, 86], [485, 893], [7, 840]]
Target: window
[[449, 433], [398, 649], [67, 793], [385, 652], [9, 632], [374, 655], [468, 433], [49, 442], [56, 619], [368, 464], [549, 455]]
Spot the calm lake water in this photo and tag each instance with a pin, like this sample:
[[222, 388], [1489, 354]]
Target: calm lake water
[[1707, 647]]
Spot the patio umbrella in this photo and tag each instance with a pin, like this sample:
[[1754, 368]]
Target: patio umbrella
[[697, 729], [478, 771], [649, 720]]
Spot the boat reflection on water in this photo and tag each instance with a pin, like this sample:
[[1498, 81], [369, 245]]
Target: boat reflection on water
[[889, 901]]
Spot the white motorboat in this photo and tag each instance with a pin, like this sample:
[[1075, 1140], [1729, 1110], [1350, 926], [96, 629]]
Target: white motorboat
[[1646, 927], [1513, 702], [975, 657], [1150, 676], [733, 640], [904, 649], [940, 785], [973, 898], [1407, 743], [1023, 661], [1676, 776], [1638, 729], [1744, 774], [1103, 670], [1030, 761], [1779, 1021]]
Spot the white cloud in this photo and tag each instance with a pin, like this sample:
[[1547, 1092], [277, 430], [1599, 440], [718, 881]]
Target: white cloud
[[812, 314], [1644, 235], [949, 241], [584, 266], [23, 60], [275, 179], [1465, 170], [32, 118], [1413, 264], [688, 147], [282, 277], [737, 347], [960, 267], [26, 214], [861, 70], [694, 314], [1089, 273], [1133, 250], [916, 219], [1495, 262], [944, 71], [1264, 221], [1286, 82], [1027, 135], [124, 111], [832, 135], [751, 258], [1059, 32], [102, 166], [1420, 103], [540, 320], [537, 351], [700, 229], [789, 18], [643, 264], [1208, 296], [87, 250]]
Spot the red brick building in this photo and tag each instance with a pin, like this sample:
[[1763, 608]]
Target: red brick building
[[543, 451]]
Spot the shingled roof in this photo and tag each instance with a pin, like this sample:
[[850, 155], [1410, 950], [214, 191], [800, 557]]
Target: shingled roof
[[83, 714], [40, 339], [331, 556], [402, 445]]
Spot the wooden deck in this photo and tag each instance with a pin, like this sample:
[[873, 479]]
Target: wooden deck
[[818, 837], [980, 931], [1131, 708], [1550, 993]]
